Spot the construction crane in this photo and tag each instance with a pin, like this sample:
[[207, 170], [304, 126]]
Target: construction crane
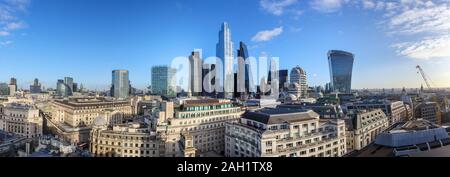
[[424, 76]]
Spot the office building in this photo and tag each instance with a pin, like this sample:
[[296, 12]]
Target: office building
[[298, 78], [164, 81], [202, 121], [209, 80], [36, 87], [285, 132], [363, 127], [395, 110], [244, 74], [124, 140], [225, 53], [120, 88], [21, 119], [12, 87], [72, 118], [429, 111], [195, 73], [69, 84], [341, 68]]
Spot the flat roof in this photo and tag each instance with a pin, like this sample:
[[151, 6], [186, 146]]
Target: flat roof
[[280, 115]]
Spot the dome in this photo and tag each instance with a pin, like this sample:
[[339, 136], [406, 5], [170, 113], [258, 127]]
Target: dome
[[298, 71], [100, 121]]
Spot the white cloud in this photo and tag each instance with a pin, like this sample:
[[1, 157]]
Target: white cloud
[[14, 25], [4, 43], [368, 4], [276, 7], [267, 35], [327, 6], [423, 26], [4, 33]]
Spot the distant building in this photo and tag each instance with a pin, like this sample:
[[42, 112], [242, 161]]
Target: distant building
[[209, 77], [195, 73], [395, 110], [244, 73], [341, 68], [36, 87], [4, 89], [224, 51], [21, 119], [69, 84], [64, 87], [298, 76], [164, 81], [120, 88], [363, 127], [428, 111], [284, 133]]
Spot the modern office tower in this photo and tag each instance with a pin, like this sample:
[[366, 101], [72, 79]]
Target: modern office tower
[[124, 143], [69, 116], [282, 79], [12, 86], [298, 76], [164, 81], [244, 71], [428, 111], [201, 120], [224, 52], [21, 119], [4, 89], [195, 73], [61, 88], [363, 127], [281, 132], [75, 87], [341, 68], [13, 81], [209, 80], [69, 83], [36, 87], [120, 87]]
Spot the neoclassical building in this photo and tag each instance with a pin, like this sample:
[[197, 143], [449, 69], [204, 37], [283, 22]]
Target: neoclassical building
[[72, 118], [21, 119], [284, 132], [201, 121], [124, 140], [364, 127]]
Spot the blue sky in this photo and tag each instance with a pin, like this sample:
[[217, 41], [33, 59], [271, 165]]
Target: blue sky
[[86, 39]]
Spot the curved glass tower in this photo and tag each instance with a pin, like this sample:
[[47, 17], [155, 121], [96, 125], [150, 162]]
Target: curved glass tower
[[341, 67]]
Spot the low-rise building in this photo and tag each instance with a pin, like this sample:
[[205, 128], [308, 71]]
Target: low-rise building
[[363, 127], [284, 132], [72, 118], [133, 139], [428, 111], [21, 119]]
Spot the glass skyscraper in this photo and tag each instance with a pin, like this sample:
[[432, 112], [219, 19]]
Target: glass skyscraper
[[341, 68], [244, 73], [164, 81], [120, 88], [224, 51]]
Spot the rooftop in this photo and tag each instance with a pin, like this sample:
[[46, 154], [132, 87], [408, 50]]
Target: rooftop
[[280, 115]]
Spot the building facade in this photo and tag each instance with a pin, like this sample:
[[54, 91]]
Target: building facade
[[202, 120], [120, 88], [36, 87], [285, 133], [73, 118], [428, 111], [298, 76], [124, 140], [225, 53], [363, 128], [195, 73], [21, 119], [341, 68], [164, 81]]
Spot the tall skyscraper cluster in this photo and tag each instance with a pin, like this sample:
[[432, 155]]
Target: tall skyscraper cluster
[[66, 87]]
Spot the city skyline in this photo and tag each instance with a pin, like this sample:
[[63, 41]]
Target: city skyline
[[300, 33]]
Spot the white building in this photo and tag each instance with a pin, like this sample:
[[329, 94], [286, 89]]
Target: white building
[[21, 119], [285, 132]]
